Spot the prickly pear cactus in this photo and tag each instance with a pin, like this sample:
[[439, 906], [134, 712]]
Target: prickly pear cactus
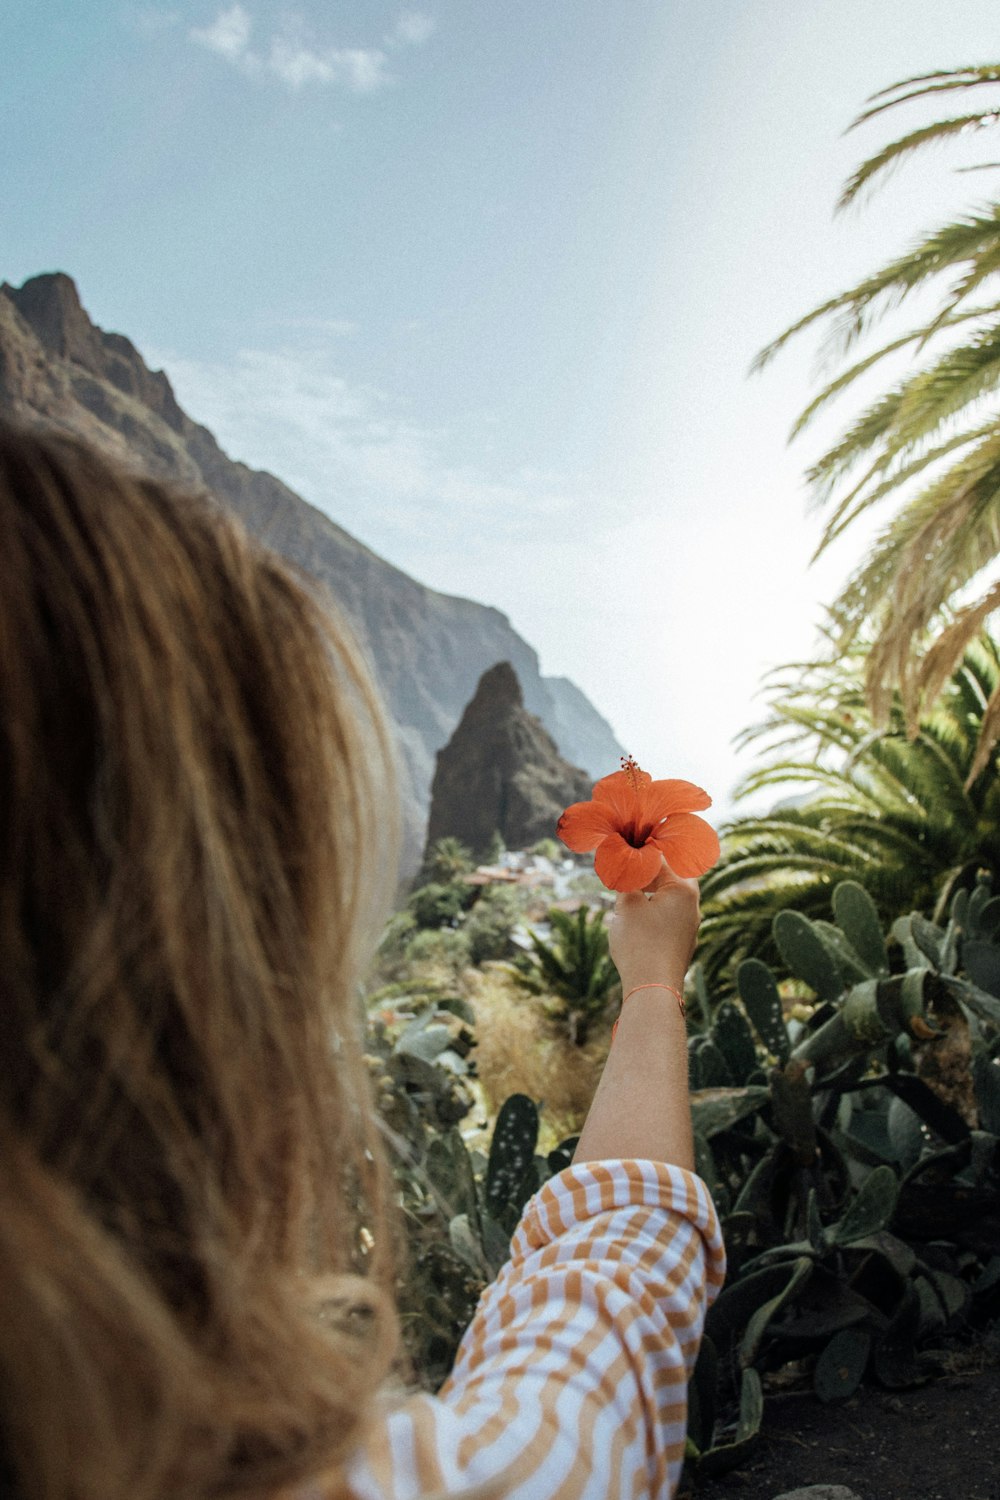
[[762, 1001], [512, 1174], [855, 1159]]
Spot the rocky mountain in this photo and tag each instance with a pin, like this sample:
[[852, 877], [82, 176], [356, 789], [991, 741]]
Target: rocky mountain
[[428, 650], [501, 772]]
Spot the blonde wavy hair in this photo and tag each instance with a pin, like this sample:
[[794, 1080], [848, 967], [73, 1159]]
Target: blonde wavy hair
[[195, 817]]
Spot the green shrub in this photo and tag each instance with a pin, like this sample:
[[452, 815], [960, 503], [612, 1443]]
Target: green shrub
[[391, 955], [439, 905], [549, 849], [447, 946], [491, 921], [445, 861], [496, 848]]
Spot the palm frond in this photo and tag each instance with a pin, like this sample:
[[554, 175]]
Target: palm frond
[[974, 73], [940, 250], [952, 642], [989, 733], [942, 80], [957, 378], [941, 539], [918, 336], [865, 433], [981, 268], [860, 498], [892, 155], [908, 418], [965, 240]]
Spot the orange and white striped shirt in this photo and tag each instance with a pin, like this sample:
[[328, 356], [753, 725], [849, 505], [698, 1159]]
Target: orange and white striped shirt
[[571, 1381]]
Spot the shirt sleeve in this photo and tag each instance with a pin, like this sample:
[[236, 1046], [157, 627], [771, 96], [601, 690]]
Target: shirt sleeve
[[571, 1380]]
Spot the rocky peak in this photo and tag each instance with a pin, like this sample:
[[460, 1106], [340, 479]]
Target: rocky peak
[[501, 771], [497, 692], [50, 305]]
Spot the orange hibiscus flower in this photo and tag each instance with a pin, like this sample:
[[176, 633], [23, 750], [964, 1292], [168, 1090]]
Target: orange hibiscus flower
[[633, 821]]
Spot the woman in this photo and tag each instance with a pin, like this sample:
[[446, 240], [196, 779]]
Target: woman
[[195, 846]]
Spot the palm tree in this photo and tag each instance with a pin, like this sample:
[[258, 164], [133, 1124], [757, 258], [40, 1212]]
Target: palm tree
[[931, 441], [446, 860], [899, 812], [575, 969]]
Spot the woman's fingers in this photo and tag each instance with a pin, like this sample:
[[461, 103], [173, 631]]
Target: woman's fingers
[[653, 933], [665, 879]]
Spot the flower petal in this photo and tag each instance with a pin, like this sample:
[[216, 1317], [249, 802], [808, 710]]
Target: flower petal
[[689, 844], [618, 791], [661, 798], [584, 824], [623, 868]]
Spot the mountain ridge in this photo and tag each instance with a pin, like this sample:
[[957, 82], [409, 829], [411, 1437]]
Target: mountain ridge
[[427, 650]]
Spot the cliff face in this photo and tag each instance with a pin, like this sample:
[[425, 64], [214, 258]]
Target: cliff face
[[501, 772], [427, 650]]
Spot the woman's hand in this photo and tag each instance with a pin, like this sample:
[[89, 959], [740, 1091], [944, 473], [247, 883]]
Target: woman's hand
[[653, 932]]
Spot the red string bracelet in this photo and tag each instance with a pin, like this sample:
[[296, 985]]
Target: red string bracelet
[[652, 984]]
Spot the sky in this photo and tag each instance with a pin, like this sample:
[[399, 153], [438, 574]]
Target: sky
[[482, 279]]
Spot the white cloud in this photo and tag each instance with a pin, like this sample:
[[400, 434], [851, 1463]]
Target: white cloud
[[228, 35], [411, 30], [296, 61], [359, 69], [353, 453]]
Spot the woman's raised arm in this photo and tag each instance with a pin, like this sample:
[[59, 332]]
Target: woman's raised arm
[[641, 1107]]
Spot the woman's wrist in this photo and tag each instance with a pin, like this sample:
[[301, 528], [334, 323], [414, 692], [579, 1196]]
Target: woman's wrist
[[671, 976], [656, 984], [644, 1005]]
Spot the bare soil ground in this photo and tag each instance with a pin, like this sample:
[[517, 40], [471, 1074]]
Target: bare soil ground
[[938, 1442]]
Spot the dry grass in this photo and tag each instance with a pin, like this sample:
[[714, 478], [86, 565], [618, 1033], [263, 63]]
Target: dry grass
[[520, 1051]]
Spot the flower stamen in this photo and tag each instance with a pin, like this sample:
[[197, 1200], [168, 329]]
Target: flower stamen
[[632, 770]]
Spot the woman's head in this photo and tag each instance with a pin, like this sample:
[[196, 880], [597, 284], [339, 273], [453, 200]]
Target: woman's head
[[194, 818]]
